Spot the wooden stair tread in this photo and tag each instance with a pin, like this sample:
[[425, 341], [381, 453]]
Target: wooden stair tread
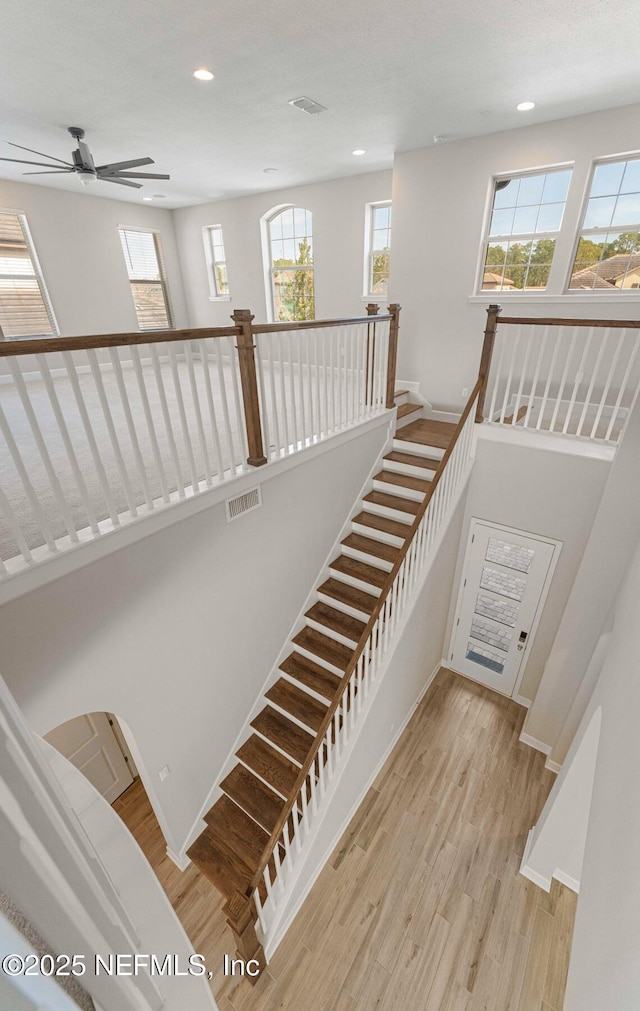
[[340, 622], [403, 480], [383, 523], [404, 505], [251, 794], [427, 432], [400, 393], [359, 570], [347, 594], [278, 771], [413, 460], [323, 646], [311, 674], [405, 409], [369, 546], [221, 867], [235, 831], [288, 736], [298, 702]]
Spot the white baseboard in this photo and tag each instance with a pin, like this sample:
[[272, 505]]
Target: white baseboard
[[539, 879], [293, 912], [566, 879], [449, 416], [553, 766], [181, 860], [533, 742], [520, 699]]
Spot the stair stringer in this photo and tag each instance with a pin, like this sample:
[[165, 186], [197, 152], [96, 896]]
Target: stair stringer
[[286, 913], [181, 859]]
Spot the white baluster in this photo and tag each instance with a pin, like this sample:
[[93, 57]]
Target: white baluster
[[607, 385], [195, 398], [131, 426], [502, 338], [592, 382], [563, 380], [507, 389], [142, 390], [264, 412], [113, 437], [166, 416], [578, 380], [292, 392], [283, 398], [234, 458], [239, 414], [623, 385], [203, 347], [14, 528], [523, 374], [267, 342]]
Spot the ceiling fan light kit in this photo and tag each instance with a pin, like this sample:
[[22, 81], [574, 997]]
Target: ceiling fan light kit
[[84, 166]]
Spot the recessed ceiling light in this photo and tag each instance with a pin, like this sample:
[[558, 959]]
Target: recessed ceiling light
[[268, 171], [203, 74], [358, 151], [525, 106], [147, 198]]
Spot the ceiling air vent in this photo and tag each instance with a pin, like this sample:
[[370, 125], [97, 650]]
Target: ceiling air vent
[[243, 503], [308, 105]]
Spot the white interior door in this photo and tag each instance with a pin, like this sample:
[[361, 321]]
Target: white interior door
[[504, 582], [90, 744]]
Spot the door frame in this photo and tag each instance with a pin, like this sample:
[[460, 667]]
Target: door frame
[[474, 522]]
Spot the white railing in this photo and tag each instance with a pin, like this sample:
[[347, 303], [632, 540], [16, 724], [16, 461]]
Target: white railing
[[570, 377], [289, 846], [333, 379], [96, 433]]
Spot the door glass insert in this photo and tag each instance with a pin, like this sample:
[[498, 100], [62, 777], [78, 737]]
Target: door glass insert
[[494, 635], [500, 610], [485, 657], [512, 556], [503, 582]]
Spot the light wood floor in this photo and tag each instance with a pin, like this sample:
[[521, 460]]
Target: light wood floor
[[421, 907]]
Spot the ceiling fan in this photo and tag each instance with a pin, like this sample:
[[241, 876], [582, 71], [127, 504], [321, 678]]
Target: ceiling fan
[[84, 167]]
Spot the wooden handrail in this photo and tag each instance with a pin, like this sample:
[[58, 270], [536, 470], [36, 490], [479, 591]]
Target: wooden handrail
[[337, 701], [311, 324], [633, 324], [40, 345]]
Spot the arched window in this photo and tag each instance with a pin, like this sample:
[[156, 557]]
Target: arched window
[[290, 250]]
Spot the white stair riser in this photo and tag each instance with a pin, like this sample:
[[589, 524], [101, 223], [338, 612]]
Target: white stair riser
[[363, 556], [399, 490], [377, 535], [400, 399], [352, 581], [339, 605], [318, 659], [408, 418], [417, 449], [391, 514], [331, 633], [426, 474]]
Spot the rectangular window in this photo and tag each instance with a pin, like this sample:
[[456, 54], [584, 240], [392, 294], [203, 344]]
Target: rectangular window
[[608, 253], [25, 307], [145, 266], [379, 250], [526, 215], [217, 262]]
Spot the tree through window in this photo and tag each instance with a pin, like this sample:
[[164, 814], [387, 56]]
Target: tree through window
[[291, 264]]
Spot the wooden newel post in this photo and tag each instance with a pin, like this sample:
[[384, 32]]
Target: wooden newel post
[[370, 368], [246, 347], [241, 917], [394, 309], [485, 361]]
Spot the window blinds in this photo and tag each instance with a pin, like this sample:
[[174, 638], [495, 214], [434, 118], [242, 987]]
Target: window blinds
[[25, 307], [143, 257]]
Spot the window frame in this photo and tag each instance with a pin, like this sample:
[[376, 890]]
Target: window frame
[[38, 276], [270, 270], [631, 293], [369, 252], [214, 293], [482, 293], [162, 271]]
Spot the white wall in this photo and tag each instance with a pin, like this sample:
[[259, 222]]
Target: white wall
[[616, 528], [554, 494], [78, 246], [338, 209], [439, 199], [177, 633]]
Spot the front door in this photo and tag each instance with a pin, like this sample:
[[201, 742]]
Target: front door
[[505, 580]]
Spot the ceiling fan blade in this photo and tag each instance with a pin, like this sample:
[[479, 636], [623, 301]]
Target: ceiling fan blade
[[136, 175], [121, 182], [51, 172], [53, 158], [22, 161], [116, 166]]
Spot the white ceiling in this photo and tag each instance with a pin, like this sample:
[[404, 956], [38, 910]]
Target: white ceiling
[[392, 73]]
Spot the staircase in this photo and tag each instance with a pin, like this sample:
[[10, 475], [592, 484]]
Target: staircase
[[254, 794]]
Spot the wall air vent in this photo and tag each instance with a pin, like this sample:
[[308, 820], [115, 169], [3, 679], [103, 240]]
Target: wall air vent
[[308, 105], [243, 503]]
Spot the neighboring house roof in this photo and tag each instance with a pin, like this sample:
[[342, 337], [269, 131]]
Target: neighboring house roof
[[489, 278], [608, 271]]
